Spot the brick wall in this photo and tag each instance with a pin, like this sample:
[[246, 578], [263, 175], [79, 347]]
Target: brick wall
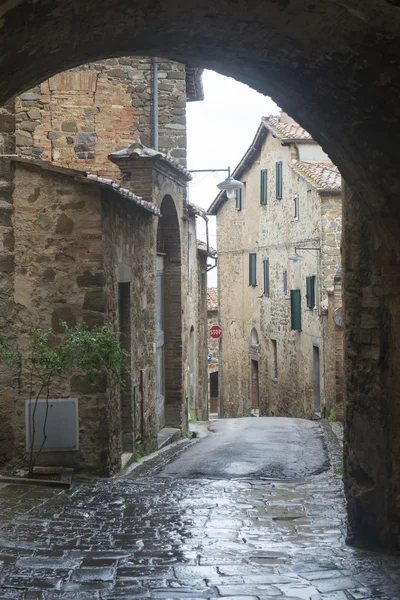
[[78, 117]]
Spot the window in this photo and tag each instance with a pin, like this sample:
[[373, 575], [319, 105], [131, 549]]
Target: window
[[253, 269], [238, 195], [279, 180], [296, 207], [274, 359], [266, 276], [295, 309], [285, 283], [263, 187], [311, 291]]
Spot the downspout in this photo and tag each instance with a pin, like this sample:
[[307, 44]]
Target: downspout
[[155, 103]]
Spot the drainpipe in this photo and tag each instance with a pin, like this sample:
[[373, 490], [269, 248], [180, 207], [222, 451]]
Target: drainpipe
[[155, 103]]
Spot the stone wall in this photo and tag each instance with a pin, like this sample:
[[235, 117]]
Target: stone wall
[[129, 257], [333, 344], [372, 320], [200, 300], [71, 240], [78, 117]]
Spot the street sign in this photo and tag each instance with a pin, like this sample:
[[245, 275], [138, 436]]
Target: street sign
[[215, 332]]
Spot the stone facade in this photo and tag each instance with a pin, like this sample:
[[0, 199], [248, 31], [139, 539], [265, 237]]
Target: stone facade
[[78, 117], [85, 249], [266, 363]]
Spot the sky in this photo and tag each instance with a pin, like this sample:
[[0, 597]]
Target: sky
[[219, 131]]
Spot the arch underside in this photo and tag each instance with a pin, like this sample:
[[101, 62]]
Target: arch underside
[[334, 67]]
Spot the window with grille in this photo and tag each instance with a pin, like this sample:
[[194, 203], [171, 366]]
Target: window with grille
[[311, 291]]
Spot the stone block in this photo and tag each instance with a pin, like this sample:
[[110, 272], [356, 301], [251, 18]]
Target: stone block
[[94, 300], [7, 123], [62, 313], [90, 280], [7, 264], [69, 126], [30, 96], [64, 225], [23, 138]]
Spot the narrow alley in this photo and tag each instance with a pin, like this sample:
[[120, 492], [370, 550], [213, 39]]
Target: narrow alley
[[171, 533]]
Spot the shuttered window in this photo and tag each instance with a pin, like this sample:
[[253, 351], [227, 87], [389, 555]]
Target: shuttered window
[[238, 199], [266, 276], [253, 269], [279, 180], [295, 309], [311, 291], [285, 283], [263, 187]]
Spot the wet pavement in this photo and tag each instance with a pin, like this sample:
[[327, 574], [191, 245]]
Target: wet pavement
[[150, 536]]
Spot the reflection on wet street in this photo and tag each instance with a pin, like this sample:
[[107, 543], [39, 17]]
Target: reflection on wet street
[[155, 537]]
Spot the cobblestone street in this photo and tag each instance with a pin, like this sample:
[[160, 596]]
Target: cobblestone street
[[153, 537]]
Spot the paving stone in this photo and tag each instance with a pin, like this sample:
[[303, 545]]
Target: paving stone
[[155, 538]]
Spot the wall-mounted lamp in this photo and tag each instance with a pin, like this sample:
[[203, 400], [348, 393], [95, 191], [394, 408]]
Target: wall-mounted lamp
[[229, 185], [296, 256]]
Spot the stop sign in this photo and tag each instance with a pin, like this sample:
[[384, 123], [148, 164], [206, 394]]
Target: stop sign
[[215, 332]]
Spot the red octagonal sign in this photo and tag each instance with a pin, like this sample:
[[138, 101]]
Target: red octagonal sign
[[215, 332]]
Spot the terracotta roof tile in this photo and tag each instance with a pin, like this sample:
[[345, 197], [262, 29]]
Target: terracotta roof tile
[[286, 130], [212, 299], [323, 175]]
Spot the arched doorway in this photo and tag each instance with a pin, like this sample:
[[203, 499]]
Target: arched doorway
[[169, 318]]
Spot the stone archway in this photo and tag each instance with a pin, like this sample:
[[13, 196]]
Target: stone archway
[[169, 248], [335, 68]]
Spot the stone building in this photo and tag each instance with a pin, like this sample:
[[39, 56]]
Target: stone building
[[213, 350], [81, 247], [278, 254], [117, 244]]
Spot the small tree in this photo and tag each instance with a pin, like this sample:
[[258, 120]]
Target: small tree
[[93, 352]]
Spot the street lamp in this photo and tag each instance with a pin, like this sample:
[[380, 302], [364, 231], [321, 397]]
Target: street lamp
[[296, 256], [229, 185]]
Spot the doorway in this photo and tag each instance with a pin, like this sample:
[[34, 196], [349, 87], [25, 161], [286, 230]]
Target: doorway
[[214, 392], [126, 412], [255, 400], [317, 380]]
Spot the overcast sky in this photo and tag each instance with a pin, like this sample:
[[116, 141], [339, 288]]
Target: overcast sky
[[219, 130]]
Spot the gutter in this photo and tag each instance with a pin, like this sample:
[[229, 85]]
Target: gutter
[[155, 103]]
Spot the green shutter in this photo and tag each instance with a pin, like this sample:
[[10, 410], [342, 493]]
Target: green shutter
[[285, 282], [295, 307], [266, 276], [239, 199], [279, 180], [263, 187], [252, 269]]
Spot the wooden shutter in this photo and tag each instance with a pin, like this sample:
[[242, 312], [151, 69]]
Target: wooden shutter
[[266, 276], [279, 180], [263, 187], [252, 269], [295, 308], [239, 199]]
